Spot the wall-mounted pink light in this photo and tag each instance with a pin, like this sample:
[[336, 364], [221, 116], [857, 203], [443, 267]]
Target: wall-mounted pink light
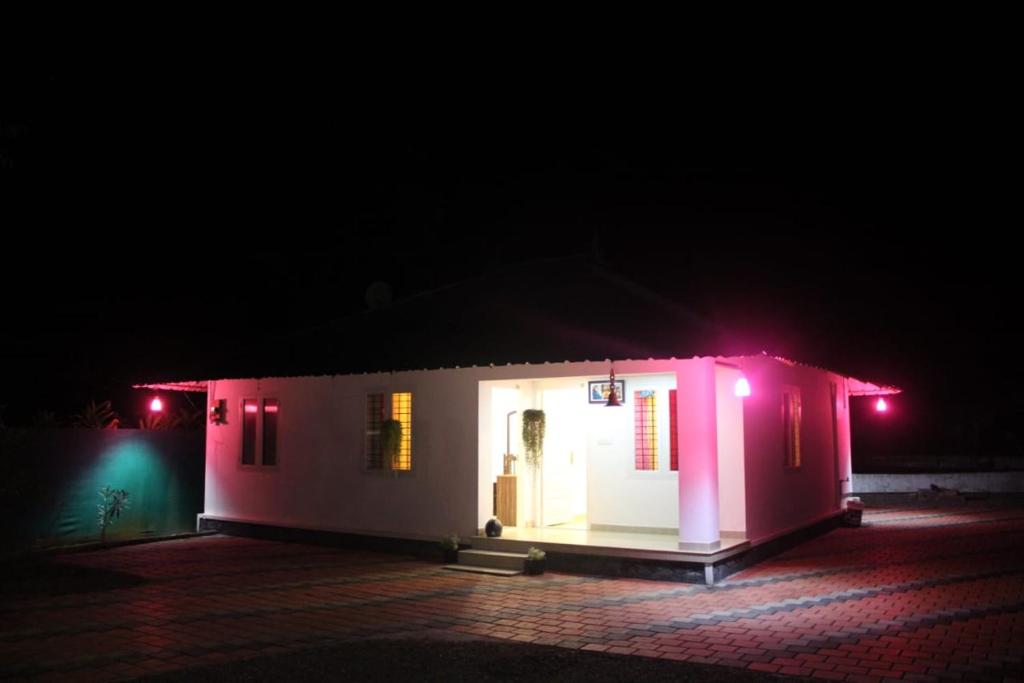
[[156, 405], [251, 408], [742, 387], [880, 405]]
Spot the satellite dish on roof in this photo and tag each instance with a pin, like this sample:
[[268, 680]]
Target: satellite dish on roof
[[378, 295]]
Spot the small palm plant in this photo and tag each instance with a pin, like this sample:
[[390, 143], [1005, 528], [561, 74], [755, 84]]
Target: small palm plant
[[115, 502]]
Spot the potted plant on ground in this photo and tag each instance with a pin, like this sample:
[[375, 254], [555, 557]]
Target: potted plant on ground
[[450, 548], [535, 561]]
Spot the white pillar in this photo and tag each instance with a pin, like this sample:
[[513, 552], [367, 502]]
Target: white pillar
[[698, 455]]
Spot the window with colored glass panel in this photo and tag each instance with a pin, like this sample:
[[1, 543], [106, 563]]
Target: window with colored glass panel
[[401, 410], [673, 432], [374, 418], [791, 425], [270, 416], [250, 414], [645, 430]]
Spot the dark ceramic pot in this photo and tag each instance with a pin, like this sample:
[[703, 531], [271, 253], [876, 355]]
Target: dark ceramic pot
[[493, 527], [534, 567], [451, 556]]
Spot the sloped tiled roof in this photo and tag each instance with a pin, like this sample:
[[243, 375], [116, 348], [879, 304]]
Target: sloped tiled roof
[[555, 310]]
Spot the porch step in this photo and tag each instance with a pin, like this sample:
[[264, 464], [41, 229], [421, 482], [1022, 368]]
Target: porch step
[[481, 570], [492, 559]]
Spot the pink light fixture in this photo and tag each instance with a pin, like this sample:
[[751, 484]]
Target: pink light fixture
[[156, 405], [742, 387], [880, 405]]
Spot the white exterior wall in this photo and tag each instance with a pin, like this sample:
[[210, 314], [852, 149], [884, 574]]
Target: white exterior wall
[[321, 483], [619, 494], [779, 498]]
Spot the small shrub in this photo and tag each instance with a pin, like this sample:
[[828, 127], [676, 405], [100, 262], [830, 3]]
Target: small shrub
[[450, 542]]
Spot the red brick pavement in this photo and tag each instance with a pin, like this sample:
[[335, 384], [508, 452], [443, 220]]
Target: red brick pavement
[[916, 594]]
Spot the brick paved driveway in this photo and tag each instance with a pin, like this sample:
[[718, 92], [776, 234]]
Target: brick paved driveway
[[915, 594]]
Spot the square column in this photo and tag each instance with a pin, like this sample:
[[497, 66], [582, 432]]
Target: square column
[[698, 455]]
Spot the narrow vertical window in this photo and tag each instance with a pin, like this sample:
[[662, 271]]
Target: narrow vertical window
[[673, 430], [401, 410], [270, 407], [374, 418], [250, 412], [791, 425], [645, 431]]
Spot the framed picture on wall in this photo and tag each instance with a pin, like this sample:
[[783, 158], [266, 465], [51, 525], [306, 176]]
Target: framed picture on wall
[[598, 390]]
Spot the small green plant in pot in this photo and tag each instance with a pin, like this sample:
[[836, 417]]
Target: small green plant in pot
[[450, 548], [535, 561], [391, 442]]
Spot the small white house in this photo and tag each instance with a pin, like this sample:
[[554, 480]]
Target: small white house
[[703, 454]]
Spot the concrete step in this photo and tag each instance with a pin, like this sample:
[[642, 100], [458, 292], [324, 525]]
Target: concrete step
[[481, 570], [492, 559]]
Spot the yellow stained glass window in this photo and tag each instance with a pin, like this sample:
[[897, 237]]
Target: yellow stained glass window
[[401, 410]]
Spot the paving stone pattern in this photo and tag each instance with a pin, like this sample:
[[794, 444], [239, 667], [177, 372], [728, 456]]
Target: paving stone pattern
[[916, 594]]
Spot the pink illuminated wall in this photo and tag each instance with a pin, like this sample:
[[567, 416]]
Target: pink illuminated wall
[[781, 498]]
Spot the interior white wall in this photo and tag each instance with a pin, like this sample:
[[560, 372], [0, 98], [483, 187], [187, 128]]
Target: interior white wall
[[507, 432], [732, 502], [618, 494]]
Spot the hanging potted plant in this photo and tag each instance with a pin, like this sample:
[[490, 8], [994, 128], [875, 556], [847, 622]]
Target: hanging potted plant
[[533, 436], [391, 442]]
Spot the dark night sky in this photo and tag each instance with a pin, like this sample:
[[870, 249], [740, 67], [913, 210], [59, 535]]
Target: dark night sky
[[150, 223]]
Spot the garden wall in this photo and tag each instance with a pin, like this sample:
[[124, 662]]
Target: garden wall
[[52, 479]]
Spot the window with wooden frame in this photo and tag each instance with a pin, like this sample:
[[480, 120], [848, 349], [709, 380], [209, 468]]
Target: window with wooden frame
[[380, 406], [645, 426], [261, 430], [270, 417], [791, 414], [673, 432]]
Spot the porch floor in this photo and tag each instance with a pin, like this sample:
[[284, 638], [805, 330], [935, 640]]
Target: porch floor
[[614, 543]]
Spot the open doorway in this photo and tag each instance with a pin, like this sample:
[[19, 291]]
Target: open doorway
[[553, 494], [564, 465]]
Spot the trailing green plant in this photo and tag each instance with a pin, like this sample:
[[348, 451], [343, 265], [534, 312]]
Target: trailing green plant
[[96, 416], [450, 542], [391, 441], [115, 502], [533, 436], [535, 554]]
